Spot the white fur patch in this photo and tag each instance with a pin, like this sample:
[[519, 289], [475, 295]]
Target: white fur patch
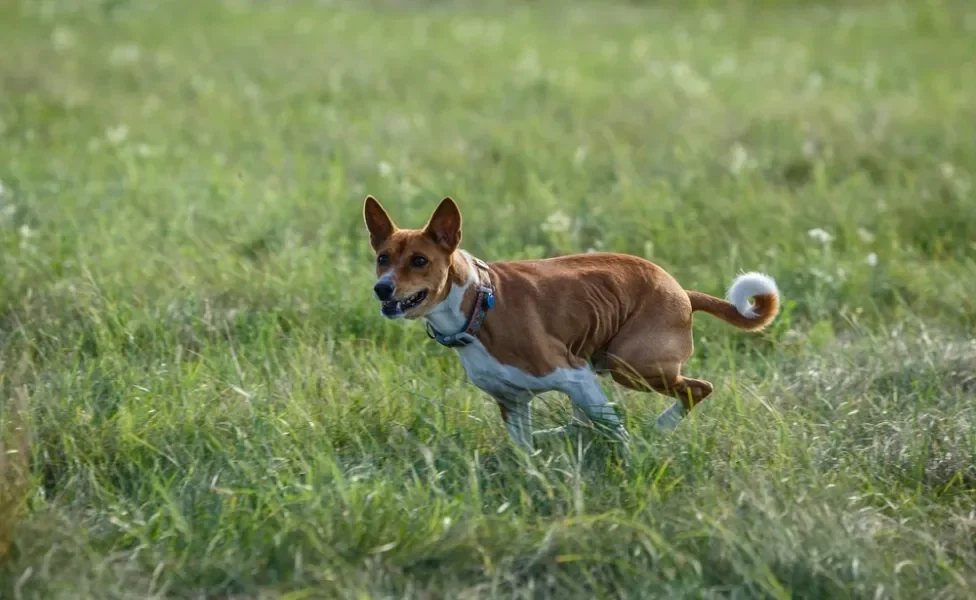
[[446, 317], [749, 285], [671, 417]]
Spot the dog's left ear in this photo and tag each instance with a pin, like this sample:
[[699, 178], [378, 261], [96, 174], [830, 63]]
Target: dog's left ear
[[445, 225]]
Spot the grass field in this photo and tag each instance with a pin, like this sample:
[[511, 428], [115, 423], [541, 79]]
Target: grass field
[[216, 409]]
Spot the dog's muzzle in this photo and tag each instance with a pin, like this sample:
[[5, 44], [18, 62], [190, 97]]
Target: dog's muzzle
[[384, 290], [394, 308]]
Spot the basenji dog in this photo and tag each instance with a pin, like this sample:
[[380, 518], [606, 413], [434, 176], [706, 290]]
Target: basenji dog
[[525, 327]]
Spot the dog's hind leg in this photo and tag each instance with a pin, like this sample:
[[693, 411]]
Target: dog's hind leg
[[651, 361], [664, 380]]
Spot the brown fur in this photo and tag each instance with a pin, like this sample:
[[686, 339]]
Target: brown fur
[[625, 314]]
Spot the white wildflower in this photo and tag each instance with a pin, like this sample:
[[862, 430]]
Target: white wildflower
[[947, 170], [865, 235], [727, 66], [713, 20], [25, 235], [739, 159], [125, 55], [688, 80], [656, 69], [579, 156], [640, 48], [202, 85], [385, 168], [809, 148], [648, 249], [872, 260], [528, 65], [820, 235], [62, 38], [117, 134], [251, 90], [822, 275], [557, 222]]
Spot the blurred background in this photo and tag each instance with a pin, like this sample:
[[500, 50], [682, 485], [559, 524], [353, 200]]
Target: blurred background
[[188, 331]]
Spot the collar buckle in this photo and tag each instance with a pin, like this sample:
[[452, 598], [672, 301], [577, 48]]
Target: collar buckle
[[455, 340]]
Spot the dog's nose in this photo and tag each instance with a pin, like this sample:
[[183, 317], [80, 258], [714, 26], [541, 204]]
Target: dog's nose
[[384, 290]]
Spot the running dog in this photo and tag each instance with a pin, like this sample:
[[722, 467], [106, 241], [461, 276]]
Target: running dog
[[521, 328]]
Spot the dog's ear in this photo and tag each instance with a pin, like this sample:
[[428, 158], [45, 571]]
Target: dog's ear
[[444, 225], [378, 222]]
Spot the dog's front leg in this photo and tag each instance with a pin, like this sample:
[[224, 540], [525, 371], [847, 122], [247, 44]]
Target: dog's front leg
[[516, 412], [586, 394]]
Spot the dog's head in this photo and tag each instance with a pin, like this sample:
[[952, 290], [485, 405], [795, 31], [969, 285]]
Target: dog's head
[[413, 266]]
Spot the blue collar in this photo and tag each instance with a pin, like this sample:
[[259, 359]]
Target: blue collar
[[484, 302]]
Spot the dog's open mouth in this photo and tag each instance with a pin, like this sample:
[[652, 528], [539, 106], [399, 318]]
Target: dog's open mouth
[[397, 308]]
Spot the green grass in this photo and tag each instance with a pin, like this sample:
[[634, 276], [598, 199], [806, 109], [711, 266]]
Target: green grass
[[217, 409]]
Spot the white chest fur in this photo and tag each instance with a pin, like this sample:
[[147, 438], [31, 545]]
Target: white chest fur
[[498, 379]]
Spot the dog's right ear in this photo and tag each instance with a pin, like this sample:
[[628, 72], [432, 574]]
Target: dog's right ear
[[378, 222]]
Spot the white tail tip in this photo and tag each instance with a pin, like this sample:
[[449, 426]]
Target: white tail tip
[[749, 285]]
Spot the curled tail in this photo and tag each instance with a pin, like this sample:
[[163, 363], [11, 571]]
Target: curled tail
[[737, 310]]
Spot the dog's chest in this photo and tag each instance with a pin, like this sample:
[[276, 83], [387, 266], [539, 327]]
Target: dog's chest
[[495, 378]]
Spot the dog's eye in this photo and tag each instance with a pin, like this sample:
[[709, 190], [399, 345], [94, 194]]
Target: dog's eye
[[383, 260], [418, 261]]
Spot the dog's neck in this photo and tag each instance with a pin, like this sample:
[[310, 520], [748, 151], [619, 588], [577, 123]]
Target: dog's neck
[[451, 314]]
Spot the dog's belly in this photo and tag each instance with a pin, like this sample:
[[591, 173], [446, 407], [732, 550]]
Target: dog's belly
[[500, 380]]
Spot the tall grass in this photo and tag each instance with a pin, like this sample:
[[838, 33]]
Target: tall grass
[[216, 408], [14, 454]]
